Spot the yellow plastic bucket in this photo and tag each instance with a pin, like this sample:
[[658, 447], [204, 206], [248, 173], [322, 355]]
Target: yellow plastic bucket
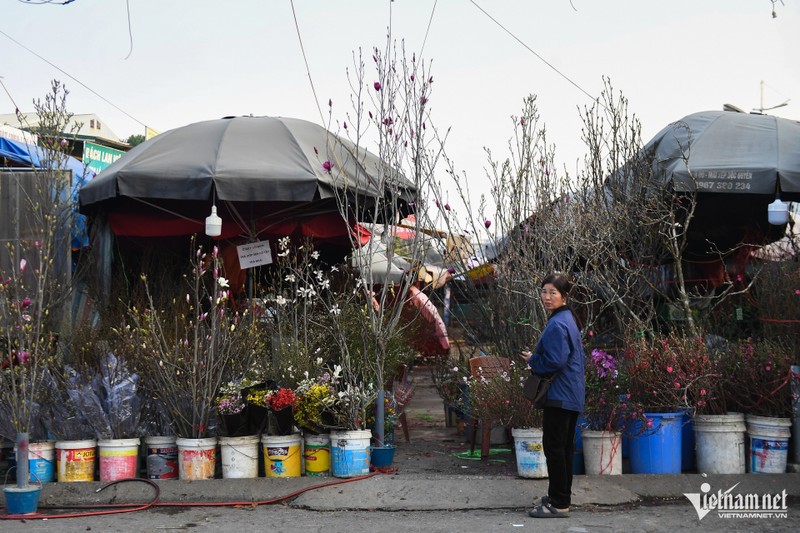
[[75, 460], [317, 455], [281, 455]]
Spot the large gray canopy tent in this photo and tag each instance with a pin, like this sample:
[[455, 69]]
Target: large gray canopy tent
[[262, 172], [736, 163]]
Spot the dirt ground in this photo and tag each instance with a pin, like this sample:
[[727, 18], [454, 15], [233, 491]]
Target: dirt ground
[[437, 449]]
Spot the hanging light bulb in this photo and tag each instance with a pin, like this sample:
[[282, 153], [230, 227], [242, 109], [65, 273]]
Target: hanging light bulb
[[778, 212], [213, 223]]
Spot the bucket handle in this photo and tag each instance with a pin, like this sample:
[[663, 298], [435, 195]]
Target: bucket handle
[[5, 481]]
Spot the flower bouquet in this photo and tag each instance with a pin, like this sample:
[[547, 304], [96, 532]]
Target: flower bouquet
[[273, 404], [606, 407], [280, 402], [313, 403], [231, 409]]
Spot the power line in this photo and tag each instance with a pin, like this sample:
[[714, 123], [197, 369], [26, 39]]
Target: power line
[[76, 80], [543, 60], [305, 60]]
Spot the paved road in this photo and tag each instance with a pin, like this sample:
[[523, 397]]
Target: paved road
[[667, 518]]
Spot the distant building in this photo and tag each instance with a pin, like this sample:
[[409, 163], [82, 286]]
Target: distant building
[[90, 138]]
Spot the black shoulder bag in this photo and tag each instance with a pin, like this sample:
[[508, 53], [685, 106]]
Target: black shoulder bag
[[535, 388]]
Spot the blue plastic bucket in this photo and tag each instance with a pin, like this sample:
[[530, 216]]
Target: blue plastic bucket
[[350, 453], [687, 442], [578, 467], [22, 501], [657, 450], [382, 456], [578, 464]]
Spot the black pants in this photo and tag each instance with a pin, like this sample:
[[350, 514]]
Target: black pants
[[558, 438]]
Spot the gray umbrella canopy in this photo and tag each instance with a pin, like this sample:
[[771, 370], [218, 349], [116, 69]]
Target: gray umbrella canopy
[[726, 152], [245, 159]]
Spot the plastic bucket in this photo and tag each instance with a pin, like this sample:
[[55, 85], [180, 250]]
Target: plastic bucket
[[719, 441], [382, 456], [796, 412], [578, 468], [162, 457], [602, 452], [657, 449], [317, 455], [239, 457], [350, 453], [22, 501], [281, 455], [119, 458], [688, 446], [41, 461], [197, 458], [529, 450], [75, 460], [768, 442]]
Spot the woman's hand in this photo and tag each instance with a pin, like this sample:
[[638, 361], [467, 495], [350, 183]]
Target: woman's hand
[[526, 355]]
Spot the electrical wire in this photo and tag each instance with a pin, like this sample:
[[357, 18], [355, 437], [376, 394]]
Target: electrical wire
[[542, 59], [130, 31], [305, 60], [73, 78], [428, 29]]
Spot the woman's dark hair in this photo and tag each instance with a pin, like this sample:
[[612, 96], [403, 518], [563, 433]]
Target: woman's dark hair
[[560, 281]]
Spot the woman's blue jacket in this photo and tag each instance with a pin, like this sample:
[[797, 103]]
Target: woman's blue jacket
[[560, 350]]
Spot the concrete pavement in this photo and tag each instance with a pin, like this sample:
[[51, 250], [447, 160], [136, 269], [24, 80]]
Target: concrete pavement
[[418, 492]]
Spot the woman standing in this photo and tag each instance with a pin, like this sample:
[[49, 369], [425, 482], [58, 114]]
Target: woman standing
[[559, 351]]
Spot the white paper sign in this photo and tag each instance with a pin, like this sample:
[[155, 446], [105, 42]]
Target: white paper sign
[[254, 254]]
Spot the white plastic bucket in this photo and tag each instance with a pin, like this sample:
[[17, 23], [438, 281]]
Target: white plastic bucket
[[162, 457], [350, 453], [239, 457], [119, 458], [602, 452], [529, 450], [768, 442], [75, 460], [719, 443], [282, 455], [197, 458], [41, 461], [317, 455]]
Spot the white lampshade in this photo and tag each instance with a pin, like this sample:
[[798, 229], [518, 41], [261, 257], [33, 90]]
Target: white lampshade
[[213, 223], [778, 212]]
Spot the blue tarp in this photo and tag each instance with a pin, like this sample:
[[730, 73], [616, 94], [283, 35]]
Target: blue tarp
[[28, 154]]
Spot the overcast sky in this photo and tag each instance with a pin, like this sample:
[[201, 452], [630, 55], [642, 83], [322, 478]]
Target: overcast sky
[[194, 60]]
